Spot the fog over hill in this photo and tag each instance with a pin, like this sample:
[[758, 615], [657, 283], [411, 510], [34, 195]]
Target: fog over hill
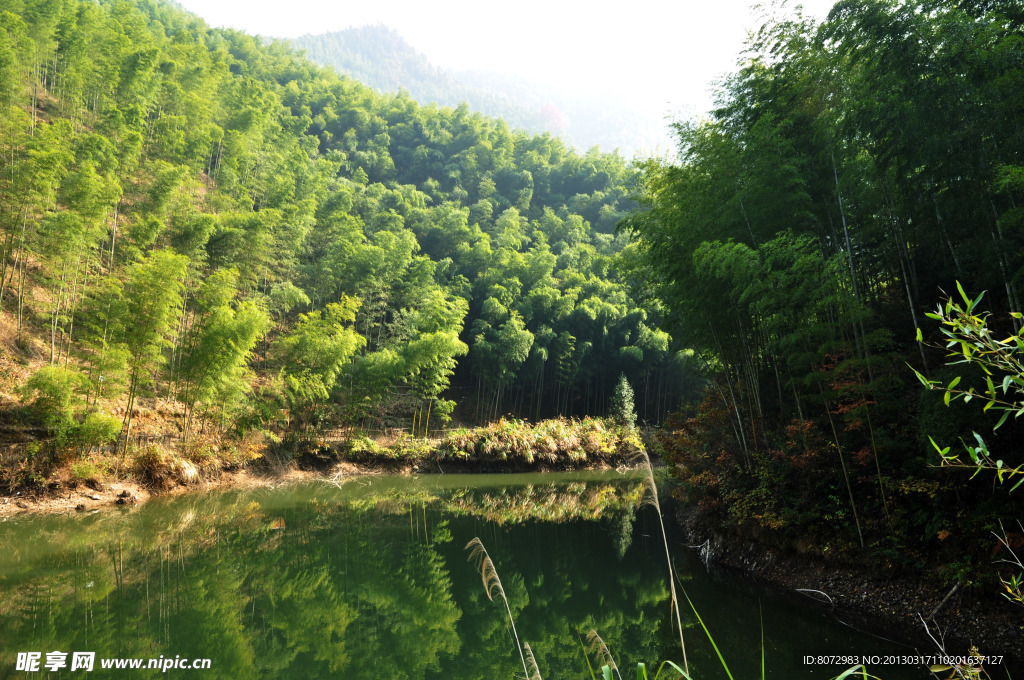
[[379, 57]]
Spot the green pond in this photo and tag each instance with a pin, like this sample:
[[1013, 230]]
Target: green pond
[[370, 579]]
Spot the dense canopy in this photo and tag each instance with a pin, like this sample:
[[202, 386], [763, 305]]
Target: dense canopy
[[852, 174], [193, 215]]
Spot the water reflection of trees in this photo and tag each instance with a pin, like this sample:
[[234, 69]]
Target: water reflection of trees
[[333, 585]]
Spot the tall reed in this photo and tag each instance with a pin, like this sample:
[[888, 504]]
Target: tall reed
[[492, 585], [652, 498], [604, 654], [532, 663]]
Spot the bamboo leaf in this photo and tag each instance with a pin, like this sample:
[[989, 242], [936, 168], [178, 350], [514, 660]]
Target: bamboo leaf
[[674, 667], [942, 452], [854, 670], [981, 442]]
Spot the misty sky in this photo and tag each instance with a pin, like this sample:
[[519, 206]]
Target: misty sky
[[661, 56]]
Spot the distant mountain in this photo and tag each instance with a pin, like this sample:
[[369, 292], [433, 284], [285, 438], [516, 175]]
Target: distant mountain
[[379, 57]]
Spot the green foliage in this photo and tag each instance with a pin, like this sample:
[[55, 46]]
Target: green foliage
[[403, 449], [622, 409], [970, 341], [54, 394], [802, 228], [218, 346], [286, 296], [152, 295], [182, 208], [97, 429], [83, 471], [314, 353]]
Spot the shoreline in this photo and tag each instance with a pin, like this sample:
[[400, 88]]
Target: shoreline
[[86, 498], [883, 604], [501, 446]]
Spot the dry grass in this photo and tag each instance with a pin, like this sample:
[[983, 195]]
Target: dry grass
[[652, 499], [531, 663], [489, 575], [556, 441], [604, 654], [162, 469]]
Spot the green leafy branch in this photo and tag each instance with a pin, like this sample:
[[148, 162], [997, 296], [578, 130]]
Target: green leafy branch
[[970, 341]]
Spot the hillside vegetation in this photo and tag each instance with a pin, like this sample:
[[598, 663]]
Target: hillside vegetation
[[202, 233], [853, 175]]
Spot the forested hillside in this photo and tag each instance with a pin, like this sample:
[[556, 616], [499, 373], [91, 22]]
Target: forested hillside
[[220, 229], [852, 174], [382, 59]]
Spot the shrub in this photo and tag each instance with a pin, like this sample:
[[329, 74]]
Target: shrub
[[83, 471], [54, 394], [97, 429]]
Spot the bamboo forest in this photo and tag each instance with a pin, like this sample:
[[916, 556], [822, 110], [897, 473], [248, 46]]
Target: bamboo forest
[[747, 406]]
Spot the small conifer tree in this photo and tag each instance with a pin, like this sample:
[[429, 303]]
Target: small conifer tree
[[622, 410]]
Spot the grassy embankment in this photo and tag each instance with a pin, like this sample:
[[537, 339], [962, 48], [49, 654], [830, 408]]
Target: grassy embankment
[[49, 464], [502, 445]]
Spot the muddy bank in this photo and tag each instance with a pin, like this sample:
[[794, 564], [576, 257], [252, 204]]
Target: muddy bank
[[887, 605], [93, 495]]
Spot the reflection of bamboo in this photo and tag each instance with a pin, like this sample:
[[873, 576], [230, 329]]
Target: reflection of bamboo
[[492, 584], [653, 500]]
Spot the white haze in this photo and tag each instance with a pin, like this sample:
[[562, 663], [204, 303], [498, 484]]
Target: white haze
[[660, 57]]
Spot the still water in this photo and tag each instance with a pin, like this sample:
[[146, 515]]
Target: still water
[[370, 579]]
